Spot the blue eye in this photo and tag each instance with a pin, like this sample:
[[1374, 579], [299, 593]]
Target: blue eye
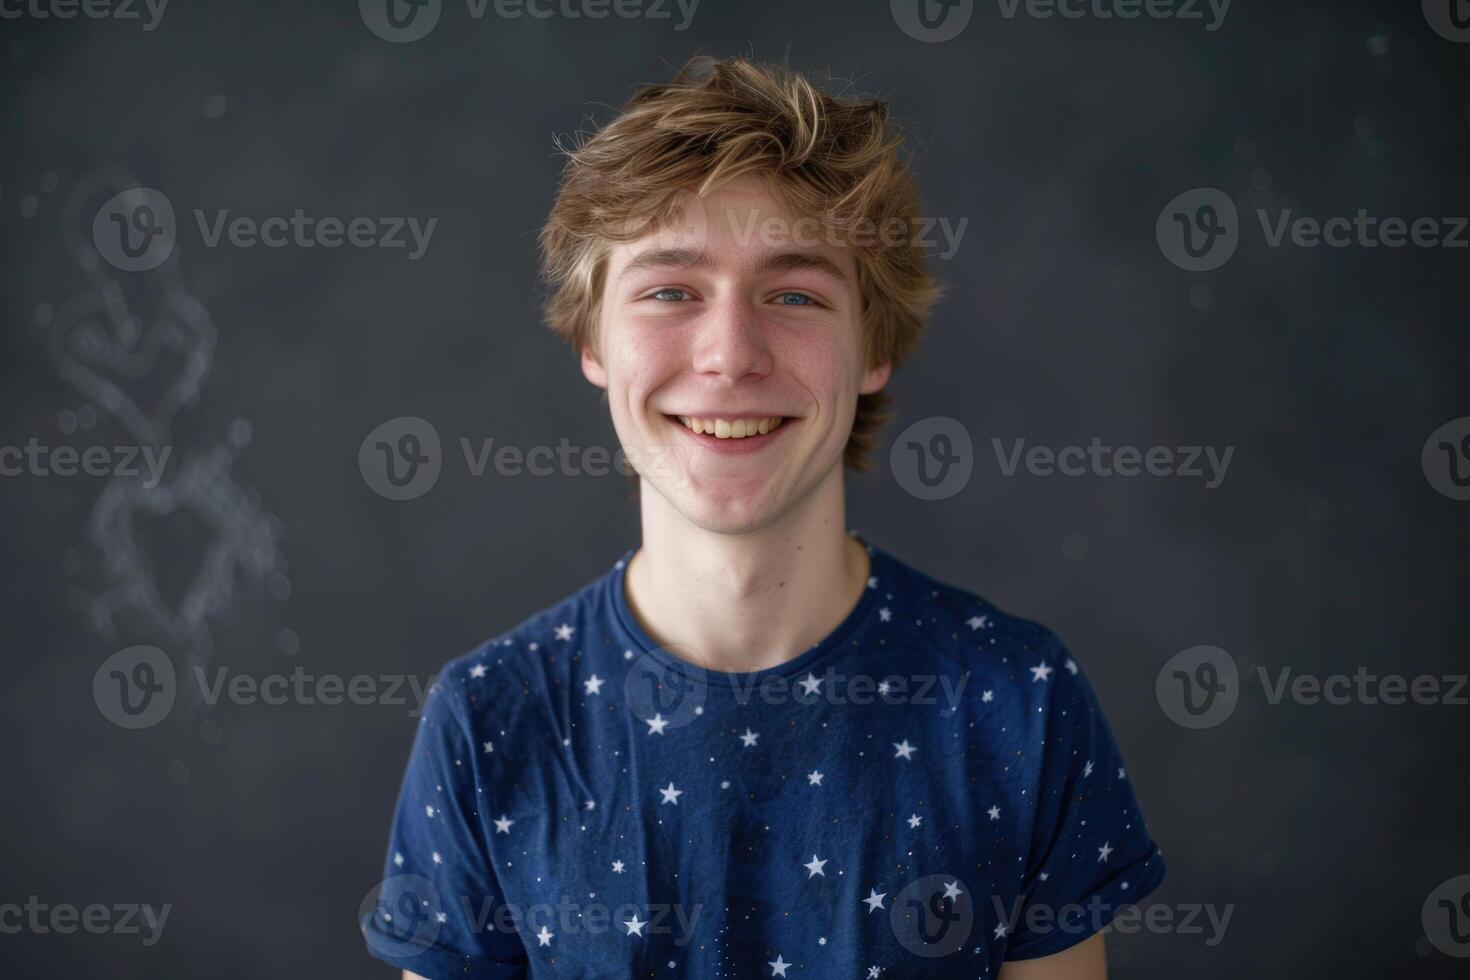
[[802, 299], [668, 289]]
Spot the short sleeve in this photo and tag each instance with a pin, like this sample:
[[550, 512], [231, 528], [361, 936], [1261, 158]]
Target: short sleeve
[[435, 912], [1090, 854]]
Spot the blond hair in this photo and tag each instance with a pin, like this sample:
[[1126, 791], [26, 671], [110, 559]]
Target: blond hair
[[830, 156]]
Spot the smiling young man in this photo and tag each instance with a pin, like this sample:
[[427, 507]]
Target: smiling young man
[[759, 745]]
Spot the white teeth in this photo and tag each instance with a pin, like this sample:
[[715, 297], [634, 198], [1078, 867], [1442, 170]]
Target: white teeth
[[731, 428]]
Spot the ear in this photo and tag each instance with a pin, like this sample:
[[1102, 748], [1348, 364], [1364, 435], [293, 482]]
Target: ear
[[592, 368], [875, 378]]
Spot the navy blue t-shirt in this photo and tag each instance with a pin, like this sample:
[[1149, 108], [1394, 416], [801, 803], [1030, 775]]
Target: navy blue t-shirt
[[930, 790]]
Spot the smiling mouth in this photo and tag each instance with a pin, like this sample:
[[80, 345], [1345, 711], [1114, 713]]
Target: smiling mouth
[[725, 428]]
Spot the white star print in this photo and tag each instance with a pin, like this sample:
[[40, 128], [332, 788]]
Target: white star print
[[489, 747], [1120, 772], [976, 622], [748, 739], [994, 812], [634, 927], [429, 812], [671, 795], [988, 697], [593, 685], [397, 860], [915, 820], [565, 631], [502, 826], [477, 671], [436, 858], [814, 778], [1104, 851], [884, 687], [1087, 770], [952, 890], [903, 750], [885, 614], [873, 972], [543, 938], [617, 867], [1071, 666], [1000, 930], [874, 901], [810, 683], [814, 867], [1041, 672], [778, 966], [657, 724]]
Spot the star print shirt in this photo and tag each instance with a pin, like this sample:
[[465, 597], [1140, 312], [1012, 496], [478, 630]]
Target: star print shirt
[[929, 791]]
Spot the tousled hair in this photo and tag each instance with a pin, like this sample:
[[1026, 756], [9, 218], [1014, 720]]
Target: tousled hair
[[831, 157]]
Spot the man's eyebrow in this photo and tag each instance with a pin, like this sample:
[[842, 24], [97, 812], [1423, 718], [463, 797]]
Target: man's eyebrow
[[802, 261], [690, 258], [666, 258]]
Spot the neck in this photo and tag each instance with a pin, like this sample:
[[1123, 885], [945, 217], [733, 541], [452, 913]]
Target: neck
[[744, 602]]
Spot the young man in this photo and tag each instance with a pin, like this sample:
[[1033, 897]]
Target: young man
[[758, 745]]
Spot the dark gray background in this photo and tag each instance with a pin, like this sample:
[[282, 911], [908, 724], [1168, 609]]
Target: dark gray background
[[1325, 549]]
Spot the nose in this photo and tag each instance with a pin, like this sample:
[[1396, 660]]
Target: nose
[[730, 341]]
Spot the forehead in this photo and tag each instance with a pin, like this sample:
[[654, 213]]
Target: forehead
[[744, 226]]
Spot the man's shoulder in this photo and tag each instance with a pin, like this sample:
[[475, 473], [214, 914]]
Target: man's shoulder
[[964, 620], [538, 650]]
